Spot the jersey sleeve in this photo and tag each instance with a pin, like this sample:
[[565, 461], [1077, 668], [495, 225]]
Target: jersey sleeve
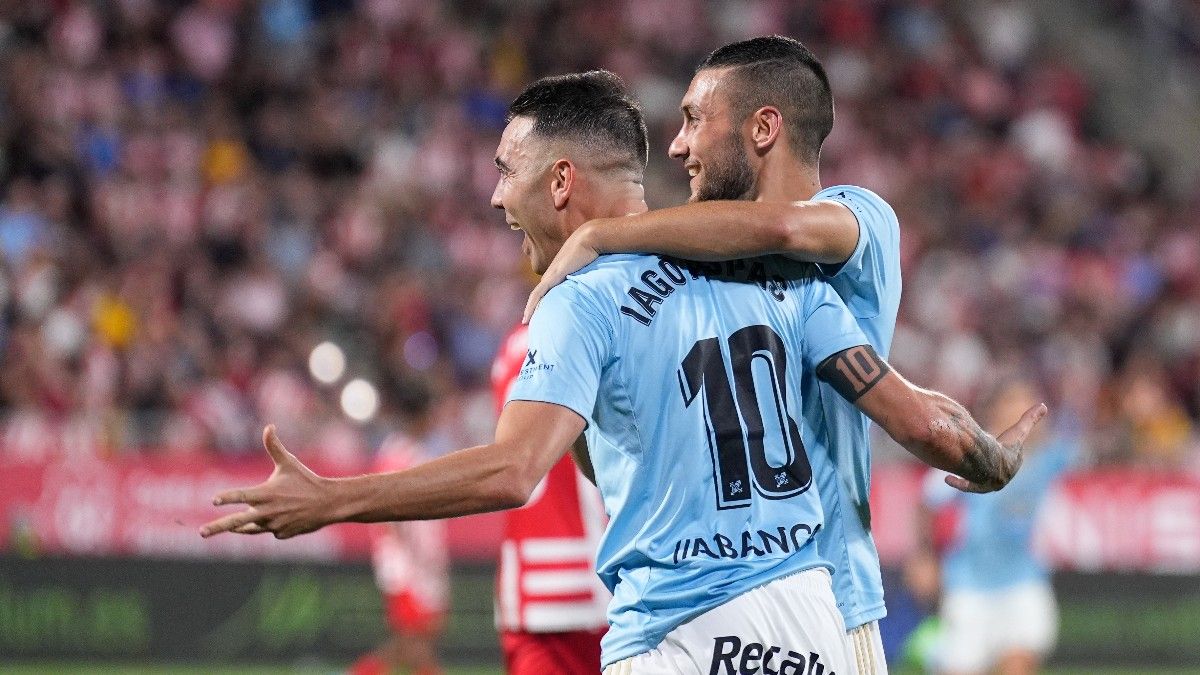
[[568, 347], [828, 326], [872, 272]]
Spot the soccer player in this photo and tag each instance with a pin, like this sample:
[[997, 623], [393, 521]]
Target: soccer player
[[754, 119], [550, 606], [687, 379], [410, 560], [998, 612]]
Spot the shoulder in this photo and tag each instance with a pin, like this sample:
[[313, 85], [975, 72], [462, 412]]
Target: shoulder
[[871, 210], [612, 269], [851, 192], [605, 279], [588, 298]]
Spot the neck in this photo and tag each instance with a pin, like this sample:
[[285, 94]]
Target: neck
[[783, 179], [625, 198], [622, 199]]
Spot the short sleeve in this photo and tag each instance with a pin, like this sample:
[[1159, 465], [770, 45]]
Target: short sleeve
[[568, 347], [870, 278], [828, 326]]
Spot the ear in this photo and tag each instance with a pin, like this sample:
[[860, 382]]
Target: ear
[[766, 126], [562, 181]]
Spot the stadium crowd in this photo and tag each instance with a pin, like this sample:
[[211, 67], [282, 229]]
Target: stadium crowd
[[194, 194]]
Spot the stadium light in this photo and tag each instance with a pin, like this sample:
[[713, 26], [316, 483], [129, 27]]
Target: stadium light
[[327, 362], [360, 400]]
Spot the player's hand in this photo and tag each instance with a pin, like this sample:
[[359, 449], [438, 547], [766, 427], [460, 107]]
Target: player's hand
[[576, 253], [292, 501], [1012, 443]]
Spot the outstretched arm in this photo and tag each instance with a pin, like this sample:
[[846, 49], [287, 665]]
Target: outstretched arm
[[817, 231], [932, 426], [530, 438]]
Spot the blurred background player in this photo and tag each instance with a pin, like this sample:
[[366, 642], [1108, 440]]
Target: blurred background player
[[550, 605], [998, 612], [409, 558]]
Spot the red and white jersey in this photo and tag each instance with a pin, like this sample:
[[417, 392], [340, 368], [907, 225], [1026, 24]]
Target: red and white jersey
[[546, 581], [409, 557]]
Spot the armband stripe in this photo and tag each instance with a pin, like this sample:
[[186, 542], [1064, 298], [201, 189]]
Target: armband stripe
[[854, 371]]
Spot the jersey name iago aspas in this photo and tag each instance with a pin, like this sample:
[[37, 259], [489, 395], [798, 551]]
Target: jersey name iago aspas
[[690, 378]]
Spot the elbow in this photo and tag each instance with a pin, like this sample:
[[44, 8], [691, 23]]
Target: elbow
[[511, 497], [511, 493], [515, 486], [781, 233], [800, 231]]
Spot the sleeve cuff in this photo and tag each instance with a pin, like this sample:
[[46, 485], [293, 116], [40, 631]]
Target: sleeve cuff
[[833, 269], [819, 351], [575, 408]]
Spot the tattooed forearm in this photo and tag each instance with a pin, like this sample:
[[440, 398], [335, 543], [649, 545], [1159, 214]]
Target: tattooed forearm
[[932, 426], [981, 458]]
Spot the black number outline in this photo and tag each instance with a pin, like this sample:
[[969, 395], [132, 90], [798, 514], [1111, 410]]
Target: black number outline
[[735, 435]]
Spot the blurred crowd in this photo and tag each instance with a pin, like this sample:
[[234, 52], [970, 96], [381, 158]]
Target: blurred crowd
[[195, 194]]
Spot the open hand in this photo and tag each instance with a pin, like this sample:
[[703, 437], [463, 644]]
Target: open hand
[[293, 500], [1012, 443]]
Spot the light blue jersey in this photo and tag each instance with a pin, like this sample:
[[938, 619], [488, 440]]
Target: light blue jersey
[[869, 283], [690, 379], [991, 546]]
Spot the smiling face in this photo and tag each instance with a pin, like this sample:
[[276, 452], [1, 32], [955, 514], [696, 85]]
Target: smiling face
[[710, 141], [523, 191]]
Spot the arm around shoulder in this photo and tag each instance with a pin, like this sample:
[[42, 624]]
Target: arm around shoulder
[[824, 232], [813, 231]]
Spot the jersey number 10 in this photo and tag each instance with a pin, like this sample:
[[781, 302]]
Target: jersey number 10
[[736, 430]]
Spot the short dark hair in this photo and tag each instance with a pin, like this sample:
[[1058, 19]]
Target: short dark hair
[[592, 108], [781, 72]]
